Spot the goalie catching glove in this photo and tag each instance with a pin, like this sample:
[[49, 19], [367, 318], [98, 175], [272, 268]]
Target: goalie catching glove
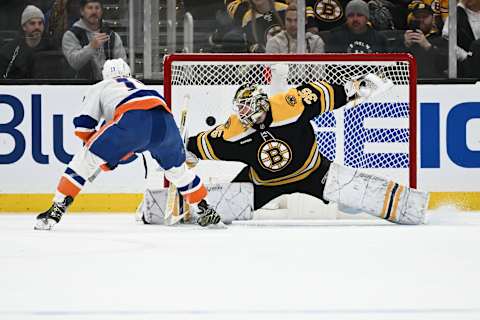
[[360, 89]]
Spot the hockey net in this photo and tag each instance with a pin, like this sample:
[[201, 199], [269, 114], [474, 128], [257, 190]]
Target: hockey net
[[377, 135]]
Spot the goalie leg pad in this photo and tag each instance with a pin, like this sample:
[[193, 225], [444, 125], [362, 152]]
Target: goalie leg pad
[[233, 201], [375, 195]]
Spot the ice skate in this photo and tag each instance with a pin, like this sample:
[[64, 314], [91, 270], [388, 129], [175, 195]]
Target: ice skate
[[208, 217], [49, 218]]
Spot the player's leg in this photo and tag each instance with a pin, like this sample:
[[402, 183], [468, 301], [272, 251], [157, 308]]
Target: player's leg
[[375, 195], [167, 148], [83, 165], [112, 143]]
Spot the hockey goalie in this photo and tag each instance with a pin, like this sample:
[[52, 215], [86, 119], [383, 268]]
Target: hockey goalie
[[274, 138]]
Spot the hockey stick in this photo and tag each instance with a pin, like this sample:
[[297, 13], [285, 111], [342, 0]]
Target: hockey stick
[[94, 175], [177, 208]]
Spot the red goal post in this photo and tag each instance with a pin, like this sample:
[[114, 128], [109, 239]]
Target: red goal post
[[210, 80]]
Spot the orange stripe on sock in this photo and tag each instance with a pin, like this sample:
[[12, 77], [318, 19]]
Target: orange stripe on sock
[[66, 187], [196, 196]]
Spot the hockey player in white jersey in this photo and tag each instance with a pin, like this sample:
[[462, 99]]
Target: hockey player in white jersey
[[137, 119]]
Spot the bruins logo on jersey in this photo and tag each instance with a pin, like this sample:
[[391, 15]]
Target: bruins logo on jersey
[[291, 100], [328, 10], [274, 155]]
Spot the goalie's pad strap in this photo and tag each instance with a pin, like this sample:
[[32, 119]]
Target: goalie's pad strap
[[390, 203]]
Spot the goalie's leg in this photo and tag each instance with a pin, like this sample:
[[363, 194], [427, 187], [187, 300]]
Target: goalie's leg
[[375, 195]]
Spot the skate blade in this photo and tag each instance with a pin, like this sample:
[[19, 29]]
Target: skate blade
[[219, 225], [44, 224]]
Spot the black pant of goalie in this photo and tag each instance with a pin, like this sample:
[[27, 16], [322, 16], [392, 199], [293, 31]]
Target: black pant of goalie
[[312, 185]]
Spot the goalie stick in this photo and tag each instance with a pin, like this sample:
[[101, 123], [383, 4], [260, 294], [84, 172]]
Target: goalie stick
[[177, 207]]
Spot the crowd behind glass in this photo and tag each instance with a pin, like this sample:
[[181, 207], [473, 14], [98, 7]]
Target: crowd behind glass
[[71, 39]]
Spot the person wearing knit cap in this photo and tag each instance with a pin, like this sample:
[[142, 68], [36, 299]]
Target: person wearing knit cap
[[359, 7], [424, 41], [89, 42], [31, 12], [357, 16], [16, 57], [355, 35]]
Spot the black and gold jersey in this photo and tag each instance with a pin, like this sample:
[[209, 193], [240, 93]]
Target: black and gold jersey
[[258, 27], [282, 150]]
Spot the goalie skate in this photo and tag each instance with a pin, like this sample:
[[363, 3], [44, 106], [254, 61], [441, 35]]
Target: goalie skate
[[49, 218]]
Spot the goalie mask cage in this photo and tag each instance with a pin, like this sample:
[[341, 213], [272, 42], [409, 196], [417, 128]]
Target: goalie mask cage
[[378, 135]]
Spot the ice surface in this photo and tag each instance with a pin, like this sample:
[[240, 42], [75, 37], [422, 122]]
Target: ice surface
[[108, 267]]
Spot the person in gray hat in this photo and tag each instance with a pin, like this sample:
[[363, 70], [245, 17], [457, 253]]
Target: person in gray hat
[[355, 35], [17, 56], [89, 43]]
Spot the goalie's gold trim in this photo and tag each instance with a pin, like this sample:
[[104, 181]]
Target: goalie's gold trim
[[393, 216], [386, 199], [282, 111], [312, 164], [205, 148], [331, 96], [199, 145]]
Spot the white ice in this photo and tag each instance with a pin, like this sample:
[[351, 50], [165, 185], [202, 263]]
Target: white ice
[[108, 267]]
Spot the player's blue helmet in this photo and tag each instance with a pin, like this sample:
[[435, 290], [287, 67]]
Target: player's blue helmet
[[250, 103], [115, 68]]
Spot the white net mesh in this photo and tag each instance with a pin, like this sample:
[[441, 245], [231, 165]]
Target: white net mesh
[[237, 73], [373, 135]]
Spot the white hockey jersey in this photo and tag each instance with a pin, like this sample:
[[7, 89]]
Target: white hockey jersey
[[109, 99]]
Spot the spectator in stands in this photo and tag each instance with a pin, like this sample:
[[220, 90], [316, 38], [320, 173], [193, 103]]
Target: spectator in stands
[[17, 56], [324, 15], [468, 38], [89, 42], [438, 7], [425, 42], [286, 41], [259, 20], [355, 36]]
